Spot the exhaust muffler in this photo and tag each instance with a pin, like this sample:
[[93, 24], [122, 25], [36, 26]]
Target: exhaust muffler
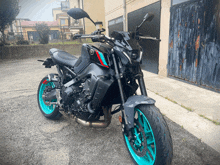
[[98, 124]]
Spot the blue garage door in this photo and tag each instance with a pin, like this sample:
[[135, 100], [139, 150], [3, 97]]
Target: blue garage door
[[194, 42]]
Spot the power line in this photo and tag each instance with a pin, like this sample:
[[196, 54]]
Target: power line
[[119, 7]]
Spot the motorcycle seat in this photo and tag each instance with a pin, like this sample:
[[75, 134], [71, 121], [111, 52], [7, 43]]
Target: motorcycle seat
[[62, 58]]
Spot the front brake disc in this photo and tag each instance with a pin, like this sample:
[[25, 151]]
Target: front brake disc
[[138, 141]]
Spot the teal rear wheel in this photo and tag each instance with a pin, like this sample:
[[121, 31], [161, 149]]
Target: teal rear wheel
[[151, 143], [49, 110]]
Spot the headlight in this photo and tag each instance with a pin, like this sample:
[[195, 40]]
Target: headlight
[[134, 56]]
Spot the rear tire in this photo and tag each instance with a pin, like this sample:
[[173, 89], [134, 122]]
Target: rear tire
[[52, 111], [156, 138]]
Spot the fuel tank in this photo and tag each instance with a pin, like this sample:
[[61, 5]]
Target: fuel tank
[[93, 53], [99, 54]]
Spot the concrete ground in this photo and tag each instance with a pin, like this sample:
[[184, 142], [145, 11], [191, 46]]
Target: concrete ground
[[190, 102], [26, 137], [202, 101]]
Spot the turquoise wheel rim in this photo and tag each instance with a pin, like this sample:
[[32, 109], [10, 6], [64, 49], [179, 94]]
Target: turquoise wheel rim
[[149, 158], [45, 108]]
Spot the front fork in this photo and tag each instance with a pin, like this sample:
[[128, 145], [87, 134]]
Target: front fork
[[128, 118], [141, 83], [118, 77]]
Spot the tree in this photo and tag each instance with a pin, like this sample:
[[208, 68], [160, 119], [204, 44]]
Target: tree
[[43, 31], [9, 9]]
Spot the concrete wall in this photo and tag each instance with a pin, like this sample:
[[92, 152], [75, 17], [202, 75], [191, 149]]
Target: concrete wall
[[164, 36], [75, 3], [96, 11], [114, 8], [30, 51], [55, 12]]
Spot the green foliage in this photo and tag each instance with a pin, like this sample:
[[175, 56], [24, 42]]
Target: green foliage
[[19, 37], [72, 42], [43, 31], [187, 108], [9, 9], [22, 42], [2, 44], [215, 122], [65, 43]]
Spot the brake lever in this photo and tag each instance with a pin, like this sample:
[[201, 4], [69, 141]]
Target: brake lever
[[95, 32]]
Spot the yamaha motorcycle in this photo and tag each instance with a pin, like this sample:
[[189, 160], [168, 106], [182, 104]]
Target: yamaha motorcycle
[[107, 73]]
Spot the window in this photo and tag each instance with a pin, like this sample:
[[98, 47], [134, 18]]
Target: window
[[115, 21], [62, 22], [174, 2], [111, 22], [120, 19], [65, 5]]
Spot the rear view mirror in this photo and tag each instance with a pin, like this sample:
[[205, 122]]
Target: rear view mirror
[[78, 13], [148, 17]]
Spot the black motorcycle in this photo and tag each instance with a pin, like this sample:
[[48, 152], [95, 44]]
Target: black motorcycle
[[107, 72]]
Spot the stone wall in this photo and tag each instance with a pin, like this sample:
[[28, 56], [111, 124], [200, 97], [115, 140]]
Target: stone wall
[[30, 51]]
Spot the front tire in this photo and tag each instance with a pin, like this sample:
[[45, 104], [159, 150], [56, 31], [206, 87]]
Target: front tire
[[49, 111], [151, 143]]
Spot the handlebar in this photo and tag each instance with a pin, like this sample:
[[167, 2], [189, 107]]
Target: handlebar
[[102, 38], [95, 38], [149, 38], [76, 36], [87, 36], [96, 35]]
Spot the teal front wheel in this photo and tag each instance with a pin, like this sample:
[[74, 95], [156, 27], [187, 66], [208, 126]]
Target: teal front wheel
[[150, 143], [48, 109]]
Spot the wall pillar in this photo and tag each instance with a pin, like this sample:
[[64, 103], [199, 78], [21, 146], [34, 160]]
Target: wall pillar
[[164, 36]]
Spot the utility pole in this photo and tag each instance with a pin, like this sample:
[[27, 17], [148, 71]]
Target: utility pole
[[84, 28], [124, 16], [21, 29]]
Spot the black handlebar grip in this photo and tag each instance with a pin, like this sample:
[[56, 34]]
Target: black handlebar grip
[[76, 36]]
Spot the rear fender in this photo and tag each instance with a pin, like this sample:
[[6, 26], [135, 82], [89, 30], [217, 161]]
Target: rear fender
[[131, 103]]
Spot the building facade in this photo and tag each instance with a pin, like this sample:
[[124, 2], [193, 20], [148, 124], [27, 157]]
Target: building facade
[[62, 23], [94, 8], [15, 29], [29, 32], [68, 26], [189, 33], [155, 54]]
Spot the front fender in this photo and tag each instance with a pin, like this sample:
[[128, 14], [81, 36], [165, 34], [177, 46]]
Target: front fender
[[131, 103]]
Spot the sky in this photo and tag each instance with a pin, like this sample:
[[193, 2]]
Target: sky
[[41, 10], [38, 10]]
